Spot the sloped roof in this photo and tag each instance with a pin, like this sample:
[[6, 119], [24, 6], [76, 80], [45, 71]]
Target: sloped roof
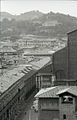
[[43, 91], [12, 76], [75, 30], [52, 91], [41, 62], [69, 90]]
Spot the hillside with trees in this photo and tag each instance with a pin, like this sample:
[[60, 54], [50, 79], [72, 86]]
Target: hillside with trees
[[37, 23]]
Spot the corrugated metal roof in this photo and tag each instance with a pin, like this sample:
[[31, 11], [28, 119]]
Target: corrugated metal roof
[[52, 91]]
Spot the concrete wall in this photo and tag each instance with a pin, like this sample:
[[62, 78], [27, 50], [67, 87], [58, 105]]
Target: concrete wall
[[72, 54], [49, 115], [65, 60], [66, 82], [46, 69], [48, 109], [60, 63], [67, 109]]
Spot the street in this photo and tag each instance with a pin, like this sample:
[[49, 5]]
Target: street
[[28, 113]]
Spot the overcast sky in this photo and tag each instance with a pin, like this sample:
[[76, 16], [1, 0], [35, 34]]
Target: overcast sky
[[21, 6]]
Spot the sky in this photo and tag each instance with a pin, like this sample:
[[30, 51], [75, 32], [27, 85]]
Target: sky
[[16, 7]]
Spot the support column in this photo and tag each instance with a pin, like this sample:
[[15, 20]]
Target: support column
[[41, 81], [36, 82]]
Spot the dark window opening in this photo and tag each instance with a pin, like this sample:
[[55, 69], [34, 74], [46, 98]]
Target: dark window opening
[[18, 94], [18, 89], [18, 98], [64, 117], [7, 113], [67, 99]]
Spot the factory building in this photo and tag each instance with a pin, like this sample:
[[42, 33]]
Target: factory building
[[59, 102], [62, 68], [65, 60]]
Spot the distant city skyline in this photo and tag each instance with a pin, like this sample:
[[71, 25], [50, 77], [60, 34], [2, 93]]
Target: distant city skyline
[[17, 7]]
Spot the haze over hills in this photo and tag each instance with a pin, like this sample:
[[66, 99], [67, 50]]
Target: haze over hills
[[37, 23]]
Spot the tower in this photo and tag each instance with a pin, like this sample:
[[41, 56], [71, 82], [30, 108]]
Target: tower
[[67, 104]]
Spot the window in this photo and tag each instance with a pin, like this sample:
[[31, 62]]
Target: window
[[64, 117], [18, 89], [67, 99], [19, 94], [7, 113]]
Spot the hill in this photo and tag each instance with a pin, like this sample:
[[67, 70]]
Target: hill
[[6, 15], [29, 15], [24, 16], [37, 23], [56, 24]]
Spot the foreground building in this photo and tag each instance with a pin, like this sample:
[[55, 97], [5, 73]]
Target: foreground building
[[57, 103]]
